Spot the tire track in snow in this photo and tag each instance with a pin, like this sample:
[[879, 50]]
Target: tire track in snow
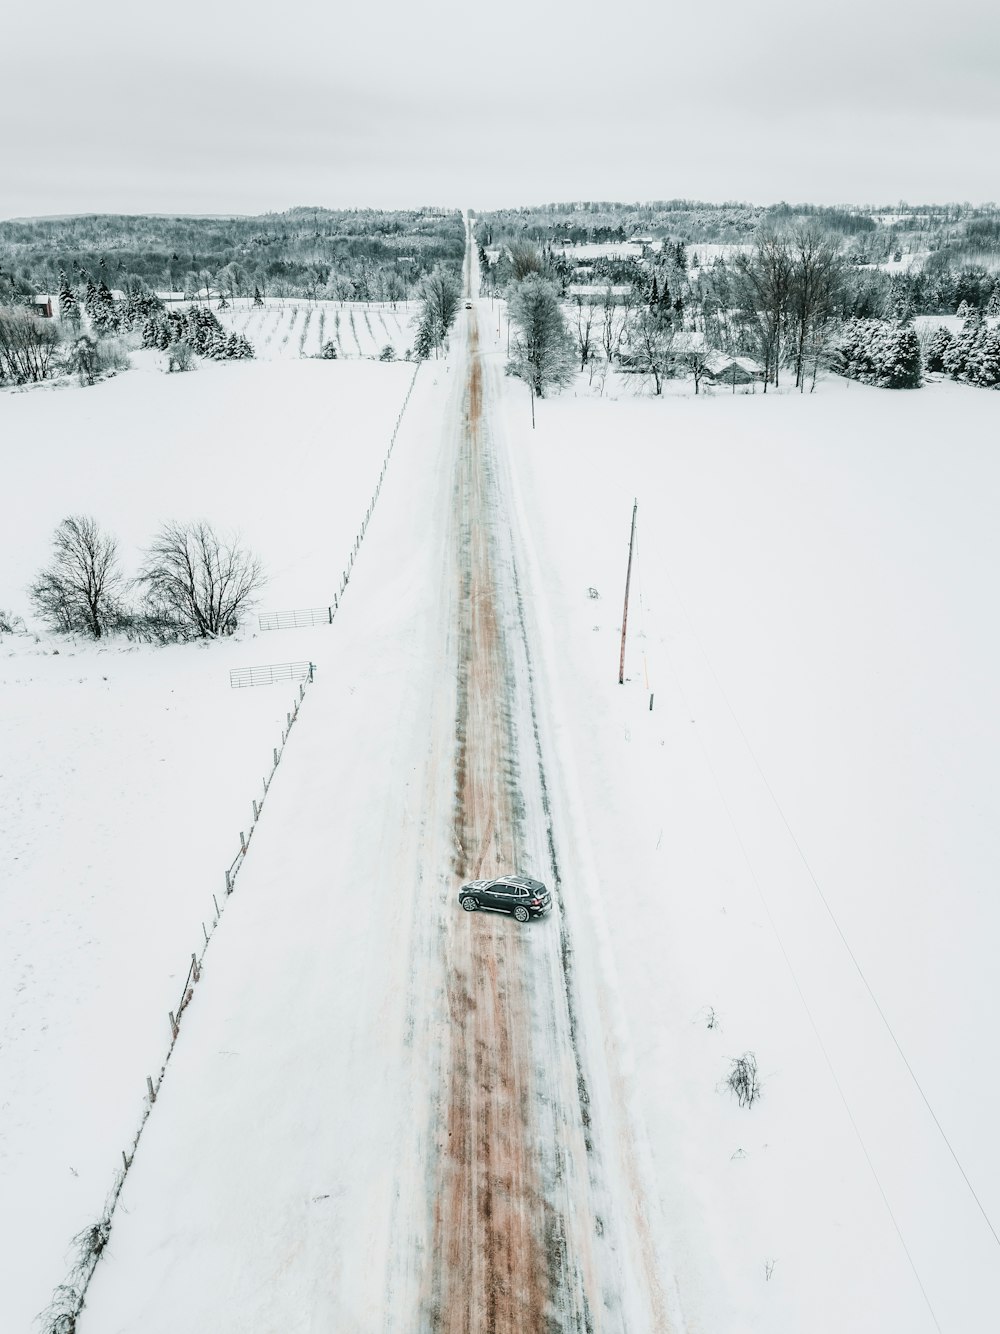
[[512, 1244]]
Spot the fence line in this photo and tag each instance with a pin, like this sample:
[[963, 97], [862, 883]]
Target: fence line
[[267, 673], [287, 620], [69, 1297], [295, 620]]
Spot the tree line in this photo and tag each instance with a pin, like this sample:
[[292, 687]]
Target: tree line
[[362, 255]]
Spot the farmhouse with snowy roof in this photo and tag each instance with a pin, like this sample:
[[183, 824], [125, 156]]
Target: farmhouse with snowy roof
[[720, 368]]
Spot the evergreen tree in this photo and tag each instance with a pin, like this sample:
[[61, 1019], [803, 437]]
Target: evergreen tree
[[940, 341], [879, 352], [989, 364], [898, 355], [69, 307]]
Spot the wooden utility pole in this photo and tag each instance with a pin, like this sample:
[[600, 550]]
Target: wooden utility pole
[[628, 580]]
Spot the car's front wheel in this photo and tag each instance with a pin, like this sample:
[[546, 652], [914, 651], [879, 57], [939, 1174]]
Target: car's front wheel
[[521, 914], [470, 904]]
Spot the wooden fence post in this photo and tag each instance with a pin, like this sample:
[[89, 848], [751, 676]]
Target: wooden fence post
[[152, 1091], [173, 1024], [195, 970], [243, 843], [256, 811]]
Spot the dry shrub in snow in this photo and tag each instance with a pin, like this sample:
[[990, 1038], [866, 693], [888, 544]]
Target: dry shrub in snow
[[197, 583], [180, 356], [10, 624], [59, 1317], [743, 1079]]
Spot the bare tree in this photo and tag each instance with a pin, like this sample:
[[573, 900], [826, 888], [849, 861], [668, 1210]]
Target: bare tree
[[651, 339], [764, 282], [615, 315], [586, 310], [197, 582], [27, 345], [525, 259], [80, 591], [693, 352], [816, 275]]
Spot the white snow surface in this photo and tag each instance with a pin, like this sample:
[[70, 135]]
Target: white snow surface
[[811, 614], [127, 772]]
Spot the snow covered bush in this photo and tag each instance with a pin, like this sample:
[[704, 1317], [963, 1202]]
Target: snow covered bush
[[885, 353], [388, 353], [329, 351], [10, 624], [180, 356]]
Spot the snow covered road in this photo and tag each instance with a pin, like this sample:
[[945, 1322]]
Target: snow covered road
[[381, 1112]]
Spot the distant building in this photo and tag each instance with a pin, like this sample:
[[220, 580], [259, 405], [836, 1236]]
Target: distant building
[[44, 306], [594, 290], [720, 368]]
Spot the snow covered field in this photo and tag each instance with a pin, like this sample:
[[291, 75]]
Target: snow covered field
[[126, 772], [810, 615], [287, 328]]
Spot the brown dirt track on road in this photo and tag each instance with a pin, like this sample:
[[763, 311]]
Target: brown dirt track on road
[[488, 1263]]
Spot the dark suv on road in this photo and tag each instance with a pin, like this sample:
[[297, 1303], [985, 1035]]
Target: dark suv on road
[[517, 894]]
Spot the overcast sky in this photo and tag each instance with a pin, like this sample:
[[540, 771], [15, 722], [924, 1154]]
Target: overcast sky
[[196, 106]]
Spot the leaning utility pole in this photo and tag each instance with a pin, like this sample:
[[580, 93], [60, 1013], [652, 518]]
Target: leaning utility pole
[[628, 580]]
